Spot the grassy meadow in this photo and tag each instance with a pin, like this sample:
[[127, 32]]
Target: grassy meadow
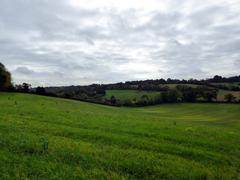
[[51, 138], [130, 94], [137, 94], [221, 93]]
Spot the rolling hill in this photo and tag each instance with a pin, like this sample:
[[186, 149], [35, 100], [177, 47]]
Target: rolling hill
[[51, 138], [130, 94], [137, 94]]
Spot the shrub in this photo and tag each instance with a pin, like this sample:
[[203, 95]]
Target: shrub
[[229, 97]]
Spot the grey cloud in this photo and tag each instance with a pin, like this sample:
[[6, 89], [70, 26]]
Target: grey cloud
[[54, 43], [24, 70]]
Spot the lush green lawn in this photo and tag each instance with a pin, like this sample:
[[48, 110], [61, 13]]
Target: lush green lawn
[[130, 94], [49, 138]]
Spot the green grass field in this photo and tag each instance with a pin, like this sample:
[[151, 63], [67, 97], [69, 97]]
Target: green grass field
[[50, 138], [173, 86], [130, 94], [221, 93]]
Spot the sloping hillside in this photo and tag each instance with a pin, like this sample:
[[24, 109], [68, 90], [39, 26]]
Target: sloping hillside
[[50, 138]]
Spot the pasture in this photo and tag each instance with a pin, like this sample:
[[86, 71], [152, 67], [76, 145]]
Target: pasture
[[51, 138], [137, 94], [130, 94]]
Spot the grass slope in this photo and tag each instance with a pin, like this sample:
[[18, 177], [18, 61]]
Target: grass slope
[[50, 138], [130, 94], [221, 93]]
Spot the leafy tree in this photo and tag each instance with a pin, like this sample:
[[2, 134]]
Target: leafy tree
[[209, 96], [217, 78], [5, 78], [170, 96], [189, 94], [158, 99], [25, 87], [113, 100], [229, 97], [173, 96], [40, 90], [127, 102], [144, 100], [164, 97]]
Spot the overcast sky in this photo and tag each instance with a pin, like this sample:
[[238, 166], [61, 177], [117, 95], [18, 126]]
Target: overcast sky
[[65, 42]]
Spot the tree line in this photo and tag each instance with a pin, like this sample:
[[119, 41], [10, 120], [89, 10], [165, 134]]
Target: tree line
[[95, 92], [182, 93], [160, 84]]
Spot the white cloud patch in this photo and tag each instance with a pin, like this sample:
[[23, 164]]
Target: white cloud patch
[[64, 42]]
